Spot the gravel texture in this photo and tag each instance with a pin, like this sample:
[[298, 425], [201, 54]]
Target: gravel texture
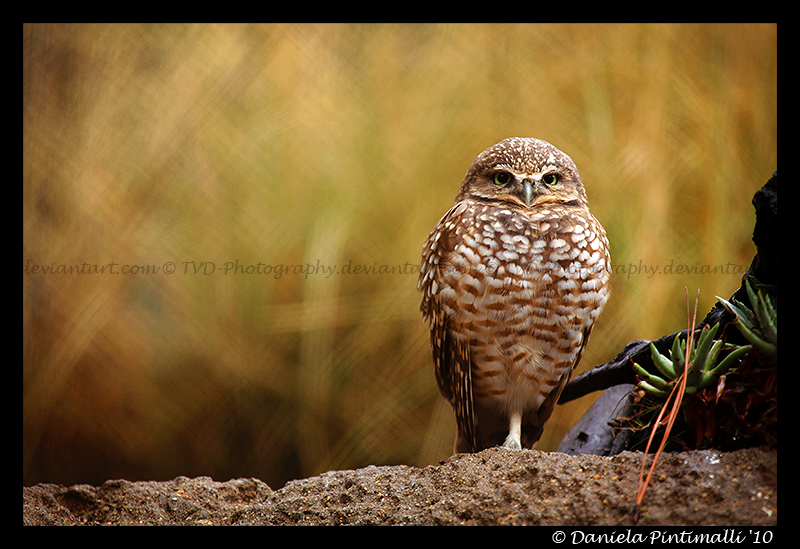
[[493, 487]]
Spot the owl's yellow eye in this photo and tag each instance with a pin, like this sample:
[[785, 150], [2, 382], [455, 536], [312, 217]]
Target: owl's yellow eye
[[501, 178], [550, 179]]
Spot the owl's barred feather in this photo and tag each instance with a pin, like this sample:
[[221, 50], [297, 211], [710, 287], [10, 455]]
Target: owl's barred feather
[[513, 278]]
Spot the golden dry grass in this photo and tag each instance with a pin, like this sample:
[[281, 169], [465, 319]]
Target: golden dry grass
[[339, 144]]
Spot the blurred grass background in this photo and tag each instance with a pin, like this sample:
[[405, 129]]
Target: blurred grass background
[[343, 144]]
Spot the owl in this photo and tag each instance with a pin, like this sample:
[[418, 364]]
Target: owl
[[513, 277]]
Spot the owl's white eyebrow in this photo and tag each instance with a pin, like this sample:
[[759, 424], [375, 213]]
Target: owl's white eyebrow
[[535, 175]]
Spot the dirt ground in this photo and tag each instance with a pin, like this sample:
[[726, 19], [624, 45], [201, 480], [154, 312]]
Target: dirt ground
[[494, 487]]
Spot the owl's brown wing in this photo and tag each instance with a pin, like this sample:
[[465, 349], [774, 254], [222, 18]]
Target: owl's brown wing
[[453, 370], [451, 356]]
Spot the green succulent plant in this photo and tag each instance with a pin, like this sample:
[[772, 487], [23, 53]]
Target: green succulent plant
[[759, 326], [705, 364], [712, 358]]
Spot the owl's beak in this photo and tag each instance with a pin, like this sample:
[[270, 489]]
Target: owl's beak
[[528, 193]]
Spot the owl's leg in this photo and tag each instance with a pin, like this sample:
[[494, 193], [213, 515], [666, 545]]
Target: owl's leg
[[513, 440]]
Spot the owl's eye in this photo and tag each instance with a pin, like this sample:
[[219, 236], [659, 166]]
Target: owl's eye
[[550, 179], [501, 178]]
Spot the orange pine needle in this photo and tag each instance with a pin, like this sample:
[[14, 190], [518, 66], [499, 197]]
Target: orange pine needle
[[673, 413]]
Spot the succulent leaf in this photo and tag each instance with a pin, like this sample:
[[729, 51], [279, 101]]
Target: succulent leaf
[[663, 364], [651, 379]]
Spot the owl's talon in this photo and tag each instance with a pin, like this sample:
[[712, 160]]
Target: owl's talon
[[512, 445]]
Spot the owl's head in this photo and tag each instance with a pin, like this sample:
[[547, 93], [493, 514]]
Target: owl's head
[[523, 172]]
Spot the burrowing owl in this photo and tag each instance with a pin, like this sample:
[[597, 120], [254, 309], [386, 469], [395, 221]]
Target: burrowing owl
[[513, 277]]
